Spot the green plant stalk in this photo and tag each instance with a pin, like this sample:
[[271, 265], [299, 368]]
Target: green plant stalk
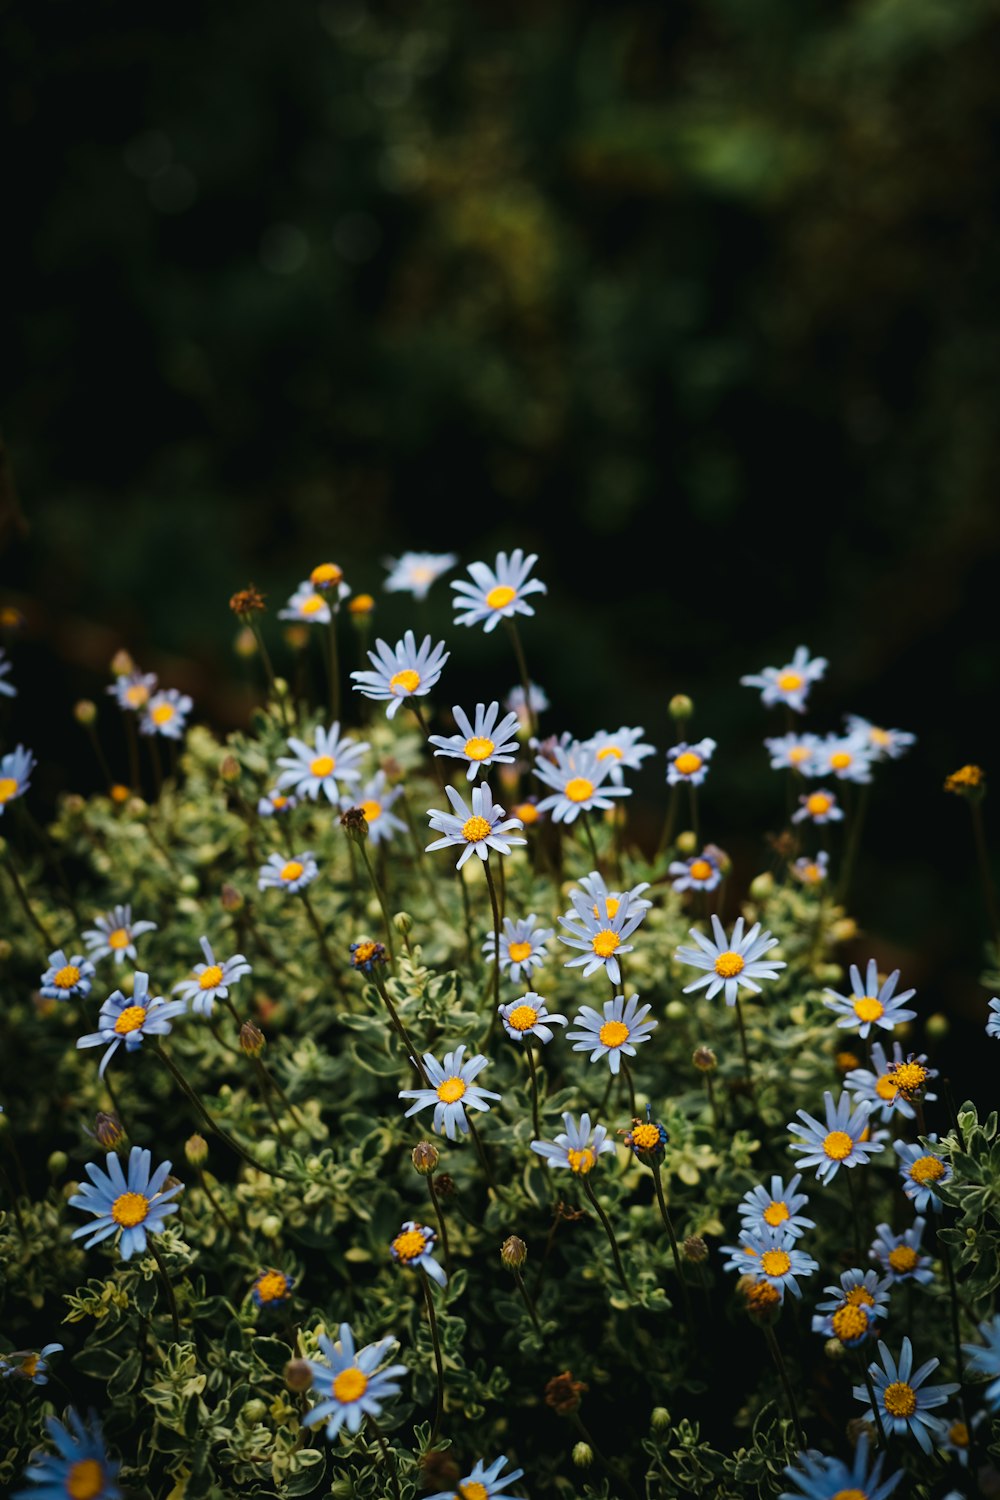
[[619, 1267], [413, 1055], [218, 1130], [438, 1361], [376, 887], [22, 896], [772, 1344], [496, 934], [442, 1223], [171, 1299], [522, 668]]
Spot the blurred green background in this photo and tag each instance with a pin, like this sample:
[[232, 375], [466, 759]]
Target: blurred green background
[[699, 300]]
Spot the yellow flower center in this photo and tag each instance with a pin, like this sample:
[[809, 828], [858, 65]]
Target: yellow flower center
[[798, 753], [118, 939], [849, 1322], [410, 1244], [606, 942], [131, 1019], [838, 1145], [404, 682], [473, 1491], [860, 1296], [120, 793], [361, 604], [813, 874], [900, 1399], [612, 903], [927, 1169], [451, 1090], [67, 977], [137, 695], [210, 977], [700, 869], [818, 804], [322, 765], [272, 1286], [581, 1161], [292, 870], [903, 1258], [501, 596], [868, 1007], [526, 811], [475, 829], [29, 1366], [278, 801], [762, 1296], [578, 789], [349, 1385], [610, 752], [688, 762], [130, 1209], [613, 1033], [789, 682], [886, 1086], [850, 1495], [776, 1213], [959, 1434], [326, 573], [85, 1479], [479, 748], [363, 952], [162, 713], [519, 952], [880, 737], [311, 604], [840, 760], [775, 1262], [729, 964], [522, 1017], [372, 811], [646, 1137], [909, 1077]]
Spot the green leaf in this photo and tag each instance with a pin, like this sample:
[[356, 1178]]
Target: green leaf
[[126, 1376]]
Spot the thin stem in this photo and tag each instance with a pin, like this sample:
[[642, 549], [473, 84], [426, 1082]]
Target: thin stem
[[957, 1339], [376, 887], [171, 1299], [855, 1214], [102, 759], [155, 762], [693, 799], [418, 714], [441, 1222], [989, 890], [606, 1464], [674, 1247], [854, 844], [522, 667], [333, 665], [481, 1153], [265, 1094], [22, 896], [50, 852], [321, 938], [610, 1234], [746, 1055], [526, 1299], [467, 913], [496, 933], [223, 1135], [384, 1450], [585, 820], [219, 1211], [669, 822], [872, 1399], [534, 1090], [116, 1107], [772, 1344], [419, 852], [411, 1052], [132, 741], [439, 1363], [631, 1088]]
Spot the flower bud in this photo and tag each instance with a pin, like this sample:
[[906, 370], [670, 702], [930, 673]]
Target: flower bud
[[298, 1376], [403, 923], [583, 1455], [355, 825], [425, 1158], [271, 1226], [834, 1349], [445, 1185], [119, 792], [188, 884], [937, 1026], [245, 643], [251, 1039], [762, 886], [676, 1010], [196, 1150], [326, 575], [695, 1249], [108, 1131], [967, 781], [686, 843], [122, 664], [659, 1418], [85, 712], [229, 769], [57, 1163], [255, 1410], [680, 708], [170, 1181], [230, 898], [704, 1059], [361, 606], [844, 930], [513, 1253]]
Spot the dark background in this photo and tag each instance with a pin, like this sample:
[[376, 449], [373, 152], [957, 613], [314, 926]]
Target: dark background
[[699, 301]]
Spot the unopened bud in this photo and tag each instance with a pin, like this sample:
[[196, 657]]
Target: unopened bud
[[680, 708], [439, 1469], [271, 1226], [172, 1182], [251, 1039], [255, 1410], [834, 1349], [445, 1185], [119, 792], [676, 1010], [189, 884], [108, 1131], [844, 930], [230, 898], [85, 712], [937, 1026], [425, 1158], [122, 664], [859, 1427], [245, 643], [762, 886], [704, 1059], [355, 824], [281, 688], [196, 1150], [298, 1375], [57, 1163], [229, 769], [583, 1455], [686, 843], [659, 1418], [361, 606], [513, 1253], [695, 1249], [403, 923]]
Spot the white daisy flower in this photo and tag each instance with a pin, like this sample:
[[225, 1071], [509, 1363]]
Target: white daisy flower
[[732, 963], [496, 593], [312, 605], [619, 1029], [577, 1149], [792, 752], [820, 806], [482, 740], [476, 830], [375, 799], [578, 780], [882, 744], [211, 979], [166, 714], [401, 671], [452, 1090], [321, 767], [600, 935], [842, 756], [529, 1017], [414, 572], [522, 946], [115, 933], [292, 874], [624, 749], [689, 762], [789, 684]]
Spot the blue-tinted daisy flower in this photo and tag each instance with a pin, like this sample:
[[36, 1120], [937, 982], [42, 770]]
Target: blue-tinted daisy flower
[[522, 946], [820, 806], [844, 757], [166, 714], [881, 744], [133, 690], [921, 1172], [578, 779], [452, 1090], [838, 1142], [618, 1030], [599, 935], [870, 1004], [496, 593], [854, 1307], [577, 1148], [888, 1086], [776, 1208], [529, 1017], [623, 749], [899, 1254], [349, 1383], [474, 830], [312, 605], [292, 874], [15, 775], [984, 1359], [689, 762], [212, 979], [537, 702], [403, 671], [812, 870], [274, 803], [482, 741], [789, 684], [81, 1468], [819, 1478], [67, 978], [647, 1139], [904, 1402], [699, 873], [596, 888], [367, 956], [131, 1020], [272, 1289], [375, 799], [136, 1203], [957, 1442], [115, 933], [771, 1256], [993, 1024], [413, 1247], [732, 963], [792, 752], [414, 572], [7, 689], [322, 766], [483, 1483], [29, 1364]]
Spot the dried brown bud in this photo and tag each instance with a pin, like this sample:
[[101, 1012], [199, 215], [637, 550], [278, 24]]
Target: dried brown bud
[[445, 1185], [967, 781], [355, 824], [425, 1158], [229, 769], [298, 1375], [122, 664], [705, 1059], [248, 601], [230, 898], [251, 1039], [564, 1394], [695, 1249], [513, 1253], [196, 1150], [108, 1131]]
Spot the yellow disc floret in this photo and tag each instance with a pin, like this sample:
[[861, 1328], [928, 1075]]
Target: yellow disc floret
[[371, 810], [838, 1145], [789, 682], [818, 804], [118, 939], [451, 1090], [729, 964], [67, 977], [131, 1019], [909, 1078], [519, 952], [958, 1434], [130, 1209], [312, 604], [501, 596], [776, 1213], [903, 1258], [85, 1479], [613, 1033], [475, 829], [162, 713], [927, 1169], [688, 762], [210, 977], [581, 1161], [860, 1296], [886, 1087], [605, 943], [410, 1244], [292, 870], [473, 1491], [900, 1399], [612, 903], [849, 1323], [868, 1007], [578, 789], [646, 1136], [775, 1262], [272, 1286], [8, 788], [840, 760], [349, 1385], [700, 869], [404, 682], [479, 748], [610, 752], [522, 1017], [322, 766]]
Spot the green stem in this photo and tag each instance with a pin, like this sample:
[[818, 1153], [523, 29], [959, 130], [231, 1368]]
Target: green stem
[[669, 822], [481, 1153], [534, 1090], [223, 1135], [854, 844], [585, 820], [376, 887], [522, 667], [439, 1363], [132, 740], [772, 1344], [872, 1399], [526, 1299], [496, 934], [384, 1450], [22, 896], [746, 1054], [588, 1189], [333, 663], [989, 890], [674, 1247], [631, 1088], [412, 1054], [171, 1299], [321, 938], [441, 1222]]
